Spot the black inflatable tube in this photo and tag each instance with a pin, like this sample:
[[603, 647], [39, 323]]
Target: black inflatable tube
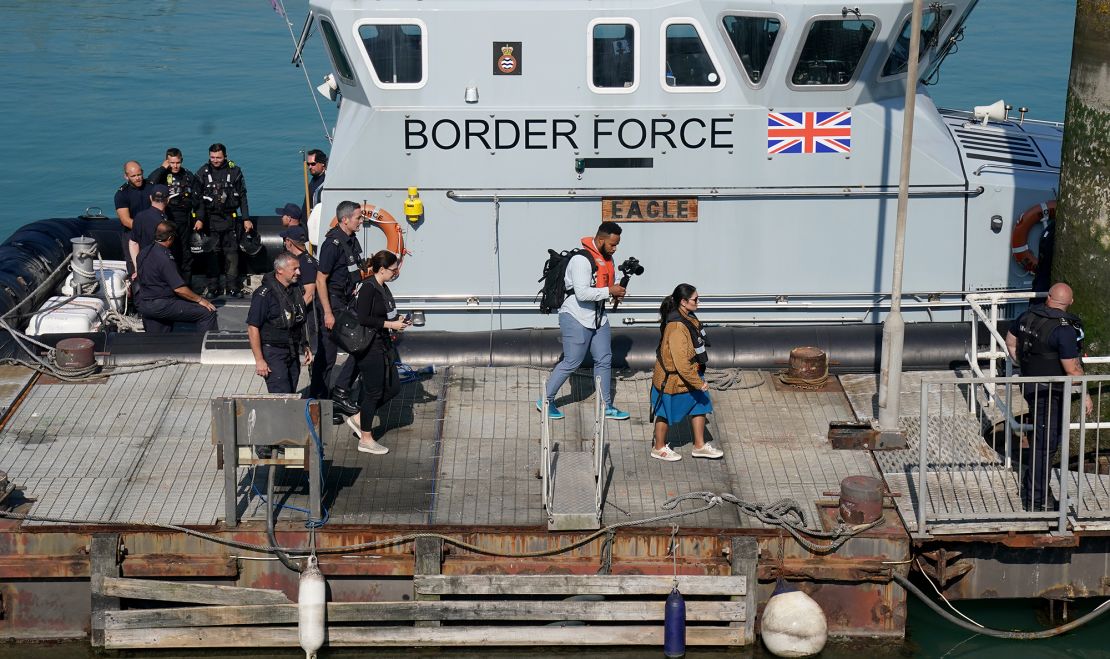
[[851, 348]]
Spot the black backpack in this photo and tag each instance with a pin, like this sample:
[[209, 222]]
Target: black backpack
[[554, 290]]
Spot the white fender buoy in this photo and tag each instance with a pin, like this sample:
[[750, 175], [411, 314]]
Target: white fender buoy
[[793, 624], [311, 609]]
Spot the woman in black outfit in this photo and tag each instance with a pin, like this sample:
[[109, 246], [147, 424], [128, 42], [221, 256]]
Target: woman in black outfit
[[376, 310]]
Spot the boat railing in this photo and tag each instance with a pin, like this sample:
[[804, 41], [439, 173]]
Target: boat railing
[[545, 449], [599, 444], [972, 462]]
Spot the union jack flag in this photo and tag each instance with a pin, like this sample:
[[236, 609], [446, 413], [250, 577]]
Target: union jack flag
[[809, 132]]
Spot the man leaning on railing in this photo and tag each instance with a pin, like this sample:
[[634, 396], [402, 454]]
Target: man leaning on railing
[[1048, 343]]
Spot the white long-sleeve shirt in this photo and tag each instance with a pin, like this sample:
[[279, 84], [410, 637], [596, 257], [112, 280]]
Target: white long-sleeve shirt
[[582, 305]]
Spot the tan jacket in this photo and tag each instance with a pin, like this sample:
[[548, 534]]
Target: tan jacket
[[676, 356]]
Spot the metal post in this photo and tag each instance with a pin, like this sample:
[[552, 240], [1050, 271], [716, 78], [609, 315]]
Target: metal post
[[223, 424], [1009, 413], [545, 447], [923, 459], [894, 329], [974, 351], [1080, 481], [1065, 447], [315, 469]]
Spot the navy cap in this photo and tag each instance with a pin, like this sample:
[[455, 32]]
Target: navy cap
[[160, 190], [297, 234], [292, 210]]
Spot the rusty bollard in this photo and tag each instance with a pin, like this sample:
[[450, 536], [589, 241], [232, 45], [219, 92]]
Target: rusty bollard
[[74, 354], [861, 499]]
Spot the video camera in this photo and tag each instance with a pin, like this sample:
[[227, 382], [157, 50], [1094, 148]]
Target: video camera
[[631, 266]]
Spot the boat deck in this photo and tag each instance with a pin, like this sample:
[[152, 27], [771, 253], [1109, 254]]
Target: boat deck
[[464, 450]]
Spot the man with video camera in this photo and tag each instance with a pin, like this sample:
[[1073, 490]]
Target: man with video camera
[[590, 281]]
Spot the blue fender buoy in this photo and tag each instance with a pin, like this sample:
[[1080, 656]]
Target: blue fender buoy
[[674, 625]]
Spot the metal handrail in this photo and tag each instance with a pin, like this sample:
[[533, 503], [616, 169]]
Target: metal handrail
[[599, 444], [545, 449], [1066, 426]]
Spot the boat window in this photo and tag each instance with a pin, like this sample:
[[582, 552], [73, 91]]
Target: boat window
[[754, 39], [335, 51], [832, 52], [931, 22], [687, 60], [396, 52], [613, 54]]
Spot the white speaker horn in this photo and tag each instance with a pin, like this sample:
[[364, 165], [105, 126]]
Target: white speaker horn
[[995, 111]]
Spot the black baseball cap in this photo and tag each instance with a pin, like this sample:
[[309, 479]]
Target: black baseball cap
[[297, 234], [292, 210]]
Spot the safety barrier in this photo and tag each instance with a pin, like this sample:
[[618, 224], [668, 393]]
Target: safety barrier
[[969, 469]]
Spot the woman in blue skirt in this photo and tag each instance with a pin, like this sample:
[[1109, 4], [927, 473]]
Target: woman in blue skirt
[[678, 388]]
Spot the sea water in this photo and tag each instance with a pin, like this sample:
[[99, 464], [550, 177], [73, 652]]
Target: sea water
[[89, 84]]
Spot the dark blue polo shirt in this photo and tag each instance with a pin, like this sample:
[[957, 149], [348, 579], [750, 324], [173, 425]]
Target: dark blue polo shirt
[[146, 225], [340, 257], [1066, 340], [309, 267], [133, 199], [158, 275], [264, 307]]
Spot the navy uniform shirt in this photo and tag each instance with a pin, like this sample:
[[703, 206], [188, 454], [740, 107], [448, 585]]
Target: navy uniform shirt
[[266, 312], [309, 267], [1066, 340], [146, 225], [133, 199], [158, 275], [340, 256]]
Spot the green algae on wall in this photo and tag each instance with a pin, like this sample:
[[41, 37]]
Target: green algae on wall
[[1082, 257]]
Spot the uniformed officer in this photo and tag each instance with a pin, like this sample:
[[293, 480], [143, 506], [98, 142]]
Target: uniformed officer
[[163, 298], [340, 259], [146, 222], [131, 198], [183, 207], [276, 326], [290, 215], [1046, 341], [296, 243], [317, 163], [224, 213]]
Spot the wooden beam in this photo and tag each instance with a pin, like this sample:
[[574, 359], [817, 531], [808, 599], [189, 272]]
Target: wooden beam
[[193, 593], [745, 561], [567, 584], [103, 564], [267, 637], [487, 610], [428, 561]]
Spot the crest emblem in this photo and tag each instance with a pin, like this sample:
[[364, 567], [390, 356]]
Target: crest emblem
[[507, 63], [507, 58]]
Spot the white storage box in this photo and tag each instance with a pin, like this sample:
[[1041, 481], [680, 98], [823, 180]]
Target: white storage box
[[112, 277], [77, 316]]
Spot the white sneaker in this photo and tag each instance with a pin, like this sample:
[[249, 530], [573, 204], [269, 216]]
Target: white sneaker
[[665, 454], [354, 426], [371, 446], [707, 451]]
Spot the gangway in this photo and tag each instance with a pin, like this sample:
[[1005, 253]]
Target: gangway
[[572, 480]]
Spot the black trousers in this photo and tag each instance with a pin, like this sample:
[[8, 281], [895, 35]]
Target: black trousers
[[182, 218], [380, 383], [285, 369], [159, 316], [1046, 401], [329, 350], [225, 254]]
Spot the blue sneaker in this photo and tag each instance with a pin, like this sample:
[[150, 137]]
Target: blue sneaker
[[615, 414], [552, 411]]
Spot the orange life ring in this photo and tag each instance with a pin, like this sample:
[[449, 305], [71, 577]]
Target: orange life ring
[[1019, 239], [380, 217]]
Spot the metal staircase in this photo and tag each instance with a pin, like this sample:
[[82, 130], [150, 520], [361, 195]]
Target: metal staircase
[[572, 480]]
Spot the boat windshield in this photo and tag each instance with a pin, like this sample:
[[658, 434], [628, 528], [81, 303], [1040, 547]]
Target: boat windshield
[[754, 38], [614, 55], [832, 51], [932, 21], [687, 59], [395, 51]]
